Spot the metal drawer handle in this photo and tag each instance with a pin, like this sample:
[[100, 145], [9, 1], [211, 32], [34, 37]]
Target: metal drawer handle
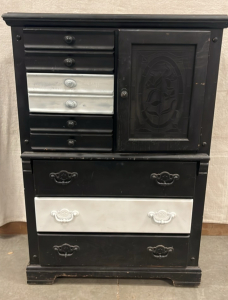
[[70, 83], [64, 215], [124, 93], [63, 177], [68, 39], [71, 123], [69, 62], [66, 250], [164, 178], [71, 104], [162, 216], [71, 143], [160, 251]]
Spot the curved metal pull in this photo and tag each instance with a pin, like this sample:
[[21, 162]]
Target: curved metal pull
[[162, 216], [63, 177], [64, 215], [160, 251], [66, 249], [164, 178], [71, 104]]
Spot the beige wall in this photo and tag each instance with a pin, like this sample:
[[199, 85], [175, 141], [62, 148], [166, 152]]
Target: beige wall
[[11, 186]]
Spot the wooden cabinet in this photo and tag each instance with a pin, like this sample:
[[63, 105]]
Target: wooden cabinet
[[161, 87], [115, 115]]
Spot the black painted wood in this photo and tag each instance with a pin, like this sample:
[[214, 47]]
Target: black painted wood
[[169, 61], [118, 156], [114, 178], [189, 277], [164, 72], [60, 38], [83, 62], [112, 250], [120, 20], [71, 142], [70, 123]]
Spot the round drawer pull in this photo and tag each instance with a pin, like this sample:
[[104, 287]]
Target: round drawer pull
[[162, 216], [71, 123], [71, 142], [124, 93], [68, 39], [71, 104], [70, 83], [69, 62]]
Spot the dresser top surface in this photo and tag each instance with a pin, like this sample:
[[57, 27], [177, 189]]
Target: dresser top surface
[[113, 20]]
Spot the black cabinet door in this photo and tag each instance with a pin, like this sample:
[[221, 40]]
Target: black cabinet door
[[161, 87]]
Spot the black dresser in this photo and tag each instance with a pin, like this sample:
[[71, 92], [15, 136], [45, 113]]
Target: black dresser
[[115, 115]]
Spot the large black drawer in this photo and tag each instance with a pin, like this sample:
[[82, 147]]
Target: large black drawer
[[71, 142], [60, 61], [68, 38], [114, 178], [113, 250]]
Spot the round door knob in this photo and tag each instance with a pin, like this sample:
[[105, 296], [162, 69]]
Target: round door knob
[[71, 104], [69, 39], [71, 143], [69, 62], [124, 93], [71, 123]]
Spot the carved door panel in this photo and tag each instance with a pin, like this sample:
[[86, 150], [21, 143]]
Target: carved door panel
[[161, 86]]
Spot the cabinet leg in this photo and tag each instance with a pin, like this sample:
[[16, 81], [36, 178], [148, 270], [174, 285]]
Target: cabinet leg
[[37, 277]]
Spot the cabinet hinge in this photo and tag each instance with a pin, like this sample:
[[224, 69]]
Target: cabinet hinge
[[27, 165], [203, 168]]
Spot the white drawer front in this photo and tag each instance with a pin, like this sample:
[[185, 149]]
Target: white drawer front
[[129, 215], [71, 104], [70, 83]]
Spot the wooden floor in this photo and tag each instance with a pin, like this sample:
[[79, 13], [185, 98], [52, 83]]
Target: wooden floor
[[21, 228]]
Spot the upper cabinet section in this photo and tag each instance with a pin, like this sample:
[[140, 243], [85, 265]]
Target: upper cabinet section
[[161, 87]]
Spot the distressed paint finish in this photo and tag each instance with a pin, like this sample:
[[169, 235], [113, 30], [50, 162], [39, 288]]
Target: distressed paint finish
[[122, 215]]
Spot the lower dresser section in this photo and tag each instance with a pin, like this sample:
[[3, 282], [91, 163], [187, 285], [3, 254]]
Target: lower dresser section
[[113, 250]]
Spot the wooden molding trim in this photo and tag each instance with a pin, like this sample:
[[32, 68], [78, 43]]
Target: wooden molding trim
[[21, 228]]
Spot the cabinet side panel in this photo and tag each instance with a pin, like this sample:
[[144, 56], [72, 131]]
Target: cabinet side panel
[[21, 87]]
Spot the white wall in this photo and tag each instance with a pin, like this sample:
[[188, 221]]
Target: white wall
[[11, 185]]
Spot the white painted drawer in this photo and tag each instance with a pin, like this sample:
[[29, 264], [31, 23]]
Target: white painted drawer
[[129, 215], [70, 83], [71, 104]]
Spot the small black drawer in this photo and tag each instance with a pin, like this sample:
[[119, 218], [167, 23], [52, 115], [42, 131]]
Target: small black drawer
[[71, 142], [60, 61], [62, 38], [113, 250], [70, 123], [115, 178]]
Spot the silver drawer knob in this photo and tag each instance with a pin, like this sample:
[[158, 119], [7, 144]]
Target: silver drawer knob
[[70, 83], [71, 104], [64, 215], [162, 216]]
